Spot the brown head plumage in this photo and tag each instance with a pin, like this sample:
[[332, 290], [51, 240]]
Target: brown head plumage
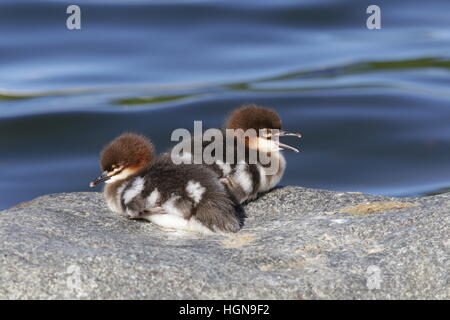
[[266, 123], [253, 117], [124, 156], [129, 150]]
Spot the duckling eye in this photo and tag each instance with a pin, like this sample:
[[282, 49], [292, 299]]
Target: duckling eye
[[267, 133]]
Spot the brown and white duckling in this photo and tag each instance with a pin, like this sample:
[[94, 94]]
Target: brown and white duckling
[[142, 185], [245, 178]]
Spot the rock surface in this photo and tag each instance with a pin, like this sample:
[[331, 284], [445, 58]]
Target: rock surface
[[297, 244]]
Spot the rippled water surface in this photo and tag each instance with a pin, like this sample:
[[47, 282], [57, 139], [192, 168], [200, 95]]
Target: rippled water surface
[[373, 105]]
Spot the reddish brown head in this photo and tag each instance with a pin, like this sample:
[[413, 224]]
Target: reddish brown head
[[253, 117], [267, 124], [124, 156]]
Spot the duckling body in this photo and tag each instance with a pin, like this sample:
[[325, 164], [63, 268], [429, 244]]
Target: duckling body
[[245, 178], [184, 196]]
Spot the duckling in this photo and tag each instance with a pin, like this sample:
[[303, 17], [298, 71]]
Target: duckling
[[244, 178], [145, 186]]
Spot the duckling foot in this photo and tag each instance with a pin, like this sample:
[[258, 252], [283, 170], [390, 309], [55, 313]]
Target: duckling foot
[[146, 212]]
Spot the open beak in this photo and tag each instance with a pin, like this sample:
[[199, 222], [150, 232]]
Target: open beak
[[286, 147], [282, 133], [100, 179]]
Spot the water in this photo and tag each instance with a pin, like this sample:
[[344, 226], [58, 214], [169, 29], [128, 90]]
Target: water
[[373, 105]]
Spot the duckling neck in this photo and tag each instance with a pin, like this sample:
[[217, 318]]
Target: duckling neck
[[114, 189], [274, 174], [113, 192]]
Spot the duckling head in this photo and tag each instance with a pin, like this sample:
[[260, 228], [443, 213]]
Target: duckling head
[[267, 124], [123, 157]]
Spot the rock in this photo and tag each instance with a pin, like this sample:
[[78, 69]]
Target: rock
[[297, 244]]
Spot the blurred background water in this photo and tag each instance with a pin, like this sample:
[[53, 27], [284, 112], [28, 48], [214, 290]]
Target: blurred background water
[[373, 105]]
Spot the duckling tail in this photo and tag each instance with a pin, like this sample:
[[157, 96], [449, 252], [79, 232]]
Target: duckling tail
[[224, 213]]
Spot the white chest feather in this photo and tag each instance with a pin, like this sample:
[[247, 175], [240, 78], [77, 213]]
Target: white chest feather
[[176, 222], [242, 177], [269, 181], [113, 199]]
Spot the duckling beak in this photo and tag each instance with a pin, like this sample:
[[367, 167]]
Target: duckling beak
[[283, 146], [100, 179], [282, 133]]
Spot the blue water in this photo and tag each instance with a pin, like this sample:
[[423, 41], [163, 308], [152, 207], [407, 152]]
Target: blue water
[[373, 105]]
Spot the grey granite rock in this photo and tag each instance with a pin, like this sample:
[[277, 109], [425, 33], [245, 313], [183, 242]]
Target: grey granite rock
[[297, 244]]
